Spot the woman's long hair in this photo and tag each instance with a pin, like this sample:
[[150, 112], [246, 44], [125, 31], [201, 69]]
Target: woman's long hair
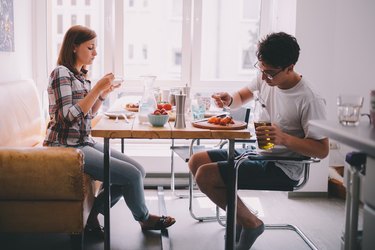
[[75, 36]]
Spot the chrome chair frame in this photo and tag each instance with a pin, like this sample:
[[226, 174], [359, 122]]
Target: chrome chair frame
[[306, 161]]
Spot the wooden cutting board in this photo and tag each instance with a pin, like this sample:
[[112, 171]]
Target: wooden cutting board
[[237, 125]]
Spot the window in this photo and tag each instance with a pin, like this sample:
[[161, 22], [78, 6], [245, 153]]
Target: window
[[227, 41], [144, 52], [88, 20], [145, 3], [59, 26], [152, 33], [73, 19], [159, 37], [251, 9], [177, 9], [131, 3], [68, 13], [130, 51], [177, 58]]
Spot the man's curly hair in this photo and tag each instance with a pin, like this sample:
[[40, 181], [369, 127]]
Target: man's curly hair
[[278, 50]]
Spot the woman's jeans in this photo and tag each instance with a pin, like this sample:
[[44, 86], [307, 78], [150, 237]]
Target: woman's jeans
[[126, 179]]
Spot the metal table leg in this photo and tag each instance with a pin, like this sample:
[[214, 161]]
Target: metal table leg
[[351, 209], [231, 200], [107, 193], [357, 162]]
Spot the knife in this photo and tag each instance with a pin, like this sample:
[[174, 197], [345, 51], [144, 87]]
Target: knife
[[206, 119]]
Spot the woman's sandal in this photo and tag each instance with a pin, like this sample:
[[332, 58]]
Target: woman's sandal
[[163, 223], [96, 231]]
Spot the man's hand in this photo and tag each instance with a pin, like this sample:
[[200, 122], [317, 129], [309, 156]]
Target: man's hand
[[221, 99], [273, 133], [303, 146]]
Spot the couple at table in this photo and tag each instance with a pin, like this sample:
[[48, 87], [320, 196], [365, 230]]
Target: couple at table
[[290, 100]]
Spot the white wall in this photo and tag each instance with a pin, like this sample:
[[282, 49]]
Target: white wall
[[18, 64], [337, 39], [337, 55]]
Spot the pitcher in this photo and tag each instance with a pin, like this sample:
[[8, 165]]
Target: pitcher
[[148, 102]]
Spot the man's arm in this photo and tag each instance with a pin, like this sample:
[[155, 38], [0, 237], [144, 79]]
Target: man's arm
[[240, 97], [307, 146], [236, 100], [303, 146]]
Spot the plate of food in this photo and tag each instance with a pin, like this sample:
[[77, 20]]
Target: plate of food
[[119, 114], [133, 107], [220, 123]]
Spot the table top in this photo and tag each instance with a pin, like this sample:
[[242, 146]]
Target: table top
[[108, 128], [361, 137]]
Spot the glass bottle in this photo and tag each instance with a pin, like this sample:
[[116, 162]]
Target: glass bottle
[[262, 118], [147, 104]]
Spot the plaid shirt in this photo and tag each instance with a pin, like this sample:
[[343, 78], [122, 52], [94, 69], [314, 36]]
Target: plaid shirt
[[68, 126]]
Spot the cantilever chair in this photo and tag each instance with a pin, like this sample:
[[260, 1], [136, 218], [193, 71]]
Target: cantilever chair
[[185, 151], [305, 161]]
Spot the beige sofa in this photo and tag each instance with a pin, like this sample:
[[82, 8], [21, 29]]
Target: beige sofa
[[42, 189]]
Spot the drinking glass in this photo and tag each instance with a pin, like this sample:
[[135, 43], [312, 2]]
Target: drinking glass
[[198, 108], [349, 109]]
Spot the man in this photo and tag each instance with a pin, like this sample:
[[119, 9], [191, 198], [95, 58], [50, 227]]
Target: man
[[291, 103]]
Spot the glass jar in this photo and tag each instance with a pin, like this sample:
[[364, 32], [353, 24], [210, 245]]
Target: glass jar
[[147, 104]]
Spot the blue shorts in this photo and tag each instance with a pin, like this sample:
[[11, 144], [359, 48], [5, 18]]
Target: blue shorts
[[254, 175]]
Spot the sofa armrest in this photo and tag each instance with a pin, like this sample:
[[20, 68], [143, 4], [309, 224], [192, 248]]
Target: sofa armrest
[[45, 173]]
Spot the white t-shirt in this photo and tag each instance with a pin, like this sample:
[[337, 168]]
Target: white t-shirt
[[291, 110]]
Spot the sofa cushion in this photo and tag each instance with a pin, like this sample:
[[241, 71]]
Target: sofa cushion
[[41, 173], [20, 112]]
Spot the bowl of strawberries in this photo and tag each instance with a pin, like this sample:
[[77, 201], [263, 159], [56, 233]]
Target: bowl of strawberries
[[158, 118]]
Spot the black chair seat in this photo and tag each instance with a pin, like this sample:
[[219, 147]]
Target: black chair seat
[[268, 186], [277, 158]]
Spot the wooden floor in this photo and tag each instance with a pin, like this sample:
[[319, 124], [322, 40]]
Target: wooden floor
[[321, 219]]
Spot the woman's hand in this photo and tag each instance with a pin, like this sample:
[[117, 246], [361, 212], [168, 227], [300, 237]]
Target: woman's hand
[[105, 85], [221, 99]]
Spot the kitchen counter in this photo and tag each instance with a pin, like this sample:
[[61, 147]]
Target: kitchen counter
[[361, 137]]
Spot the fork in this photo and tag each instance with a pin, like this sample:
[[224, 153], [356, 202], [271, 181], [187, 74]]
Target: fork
[[225, 108], [125, 118]]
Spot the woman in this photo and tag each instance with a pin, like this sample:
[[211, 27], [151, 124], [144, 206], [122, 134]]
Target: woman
[[72, 105]]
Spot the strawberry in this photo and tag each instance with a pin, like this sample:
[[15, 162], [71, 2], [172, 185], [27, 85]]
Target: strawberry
[[167, 106]]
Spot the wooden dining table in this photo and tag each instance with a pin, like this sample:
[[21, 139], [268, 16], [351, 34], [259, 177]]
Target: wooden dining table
[[108, 129]]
